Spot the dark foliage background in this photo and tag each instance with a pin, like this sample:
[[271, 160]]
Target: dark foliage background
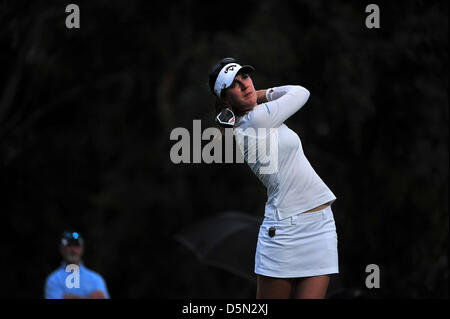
[[85, 118]]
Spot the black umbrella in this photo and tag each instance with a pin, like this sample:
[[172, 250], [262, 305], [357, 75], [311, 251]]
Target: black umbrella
[[226, 240]]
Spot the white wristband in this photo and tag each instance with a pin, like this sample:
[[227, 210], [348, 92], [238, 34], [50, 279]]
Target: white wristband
[[269, 94]]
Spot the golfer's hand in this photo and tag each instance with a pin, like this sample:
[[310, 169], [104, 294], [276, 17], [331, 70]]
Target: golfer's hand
[[261, 96]]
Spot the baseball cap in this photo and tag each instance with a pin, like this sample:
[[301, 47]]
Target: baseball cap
[[222, 74], [69, 238]]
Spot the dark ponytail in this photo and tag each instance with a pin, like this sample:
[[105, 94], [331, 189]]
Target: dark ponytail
[[219, 106]]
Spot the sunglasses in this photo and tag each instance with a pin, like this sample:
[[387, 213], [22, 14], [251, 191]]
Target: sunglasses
[[71, 239]]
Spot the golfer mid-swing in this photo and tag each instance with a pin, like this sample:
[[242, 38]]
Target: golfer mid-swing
[[297, 241]]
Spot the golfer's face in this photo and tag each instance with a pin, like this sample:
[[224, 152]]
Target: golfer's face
[[241, 94]]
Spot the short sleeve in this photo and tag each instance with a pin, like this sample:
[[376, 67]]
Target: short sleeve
[[100, 284], [53, 288]]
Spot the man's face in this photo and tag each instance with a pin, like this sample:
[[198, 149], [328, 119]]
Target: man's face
[[72, 253]]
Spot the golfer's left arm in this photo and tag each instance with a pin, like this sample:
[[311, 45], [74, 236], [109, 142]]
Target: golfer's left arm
[[282, 103]]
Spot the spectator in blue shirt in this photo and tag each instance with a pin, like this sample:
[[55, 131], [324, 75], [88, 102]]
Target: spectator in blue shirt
[[72, 280]]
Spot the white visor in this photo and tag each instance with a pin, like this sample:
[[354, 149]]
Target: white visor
[[227, 75]]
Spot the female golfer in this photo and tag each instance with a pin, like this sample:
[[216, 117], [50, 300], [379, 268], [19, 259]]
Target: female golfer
[[297, 241]]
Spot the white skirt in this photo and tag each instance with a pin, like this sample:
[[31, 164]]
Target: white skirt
[[303, 245]]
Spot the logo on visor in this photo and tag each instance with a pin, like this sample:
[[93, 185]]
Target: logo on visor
[[230, 68]]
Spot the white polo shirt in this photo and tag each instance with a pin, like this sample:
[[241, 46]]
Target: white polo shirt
[[293, 186]]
